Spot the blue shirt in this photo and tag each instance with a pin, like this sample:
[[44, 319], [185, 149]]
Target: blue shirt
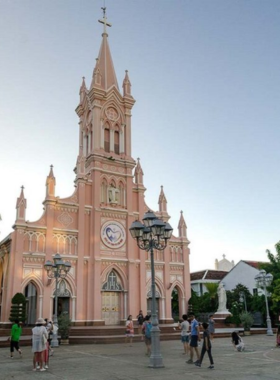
[[194, 325]]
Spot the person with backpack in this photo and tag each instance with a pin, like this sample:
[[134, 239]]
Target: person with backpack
[[140, 321], [14, 338], [146, 329]]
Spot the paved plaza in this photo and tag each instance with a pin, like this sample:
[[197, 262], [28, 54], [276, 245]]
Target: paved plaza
[[261, 360]]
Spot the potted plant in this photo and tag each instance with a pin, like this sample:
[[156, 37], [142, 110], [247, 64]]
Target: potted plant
[[247, 321], [64, 326]]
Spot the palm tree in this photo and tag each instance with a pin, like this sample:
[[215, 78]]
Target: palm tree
[[212, 288]]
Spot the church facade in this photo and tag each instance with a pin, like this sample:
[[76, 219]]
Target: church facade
[[110, 276]]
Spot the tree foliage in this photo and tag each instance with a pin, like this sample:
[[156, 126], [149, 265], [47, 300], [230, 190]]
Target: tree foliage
[[273, 267], [18, 308]]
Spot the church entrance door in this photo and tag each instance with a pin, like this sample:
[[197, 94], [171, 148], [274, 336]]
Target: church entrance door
[[31, 303], [110, 308], [62, 305]]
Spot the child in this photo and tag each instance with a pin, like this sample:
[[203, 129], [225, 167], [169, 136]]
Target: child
[[129, 329], [278, 337], [206, 347], [146, 329], [184, 327], [237, 342]]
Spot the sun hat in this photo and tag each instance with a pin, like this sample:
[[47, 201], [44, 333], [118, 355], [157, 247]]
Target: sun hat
[[40, 321]]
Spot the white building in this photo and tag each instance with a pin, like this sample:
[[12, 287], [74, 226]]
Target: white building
[[243, 273], [203, 277]]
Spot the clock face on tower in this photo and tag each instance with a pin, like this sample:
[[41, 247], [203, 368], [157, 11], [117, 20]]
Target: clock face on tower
[[113, 234]]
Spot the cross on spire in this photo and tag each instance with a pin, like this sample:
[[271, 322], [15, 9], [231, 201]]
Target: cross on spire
[[104, 20]]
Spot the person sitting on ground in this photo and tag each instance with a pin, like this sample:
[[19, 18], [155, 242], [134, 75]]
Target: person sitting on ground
[[237, 342], [195, 337], [278, 337], [206, 347], [184, 327], [14, 338], [146, 330]]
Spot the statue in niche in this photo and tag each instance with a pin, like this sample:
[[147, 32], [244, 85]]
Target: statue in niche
[[113, 195]]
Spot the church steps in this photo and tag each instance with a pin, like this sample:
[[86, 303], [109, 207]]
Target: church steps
[[102, 335]]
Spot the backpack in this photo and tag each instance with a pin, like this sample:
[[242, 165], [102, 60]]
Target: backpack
[[148, 329]]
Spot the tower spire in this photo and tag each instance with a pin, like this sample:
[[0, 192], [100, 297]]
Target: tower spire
[[104, 73]]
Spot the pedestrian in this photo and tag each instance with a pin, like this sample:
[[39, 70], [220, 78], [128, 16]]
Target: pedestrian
[[49, 327], [278, 337], [129, 331], [39, 340], [211, 327], [140, 321], [206, 347], [14, 338], [237, 342], [146, 330], [195, 338], [184, 327]]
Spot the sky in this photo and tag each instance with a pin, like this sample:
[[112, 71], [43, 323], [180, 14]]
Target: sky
[[205, 76]]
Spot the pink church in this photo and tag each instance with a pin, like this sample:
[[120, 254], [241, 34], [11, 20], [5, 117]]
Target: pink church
[[109, 278]]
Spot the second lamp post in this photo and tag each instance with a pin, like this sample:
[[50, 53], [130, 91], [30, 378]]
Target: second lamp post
[[263, 280], [56, 269], [152, 234]]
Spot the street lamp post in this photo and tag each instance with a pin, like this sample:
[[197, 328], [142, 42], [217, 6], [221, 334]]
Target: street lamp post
[[152, 234], [56, 269], [263, 280], [242, 299]]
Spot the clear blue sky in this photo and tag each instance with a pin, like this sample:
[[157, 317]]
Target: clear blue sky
[[205, 75]]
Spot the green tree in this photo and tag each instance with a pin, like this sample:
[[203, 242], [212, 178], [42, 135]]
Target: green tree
[[273, 267], [18, 308]]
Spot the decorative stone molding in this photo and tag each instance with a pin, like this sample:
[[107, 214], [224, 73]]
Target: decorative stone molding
[[33, 259], [65, 218], [112, 215]]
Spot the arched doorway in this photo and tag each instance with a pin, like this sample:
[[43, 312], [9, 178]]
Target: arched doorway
[[175, 304], [111, 291], [149, 303], [30, 293], [63, 301]]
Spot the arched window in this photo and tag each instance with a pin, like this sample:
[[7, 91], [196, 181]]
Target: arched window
[[117, 142], [107, 140]]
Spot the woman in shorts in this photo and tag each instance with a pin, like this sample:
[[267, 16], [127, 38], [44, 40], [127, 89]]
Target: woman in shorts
[[184, 327]]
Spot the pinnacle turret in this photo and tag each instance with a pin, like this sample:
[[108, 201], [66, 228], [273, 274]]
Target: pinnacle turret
[[162, 201], [182, 227], [138, 173], [126, 85], [83, 90], [21, 206], [50, 185]]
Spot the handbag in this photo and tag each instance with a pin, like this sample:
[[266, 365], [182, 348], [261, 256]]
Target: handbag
[[44, 339]]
